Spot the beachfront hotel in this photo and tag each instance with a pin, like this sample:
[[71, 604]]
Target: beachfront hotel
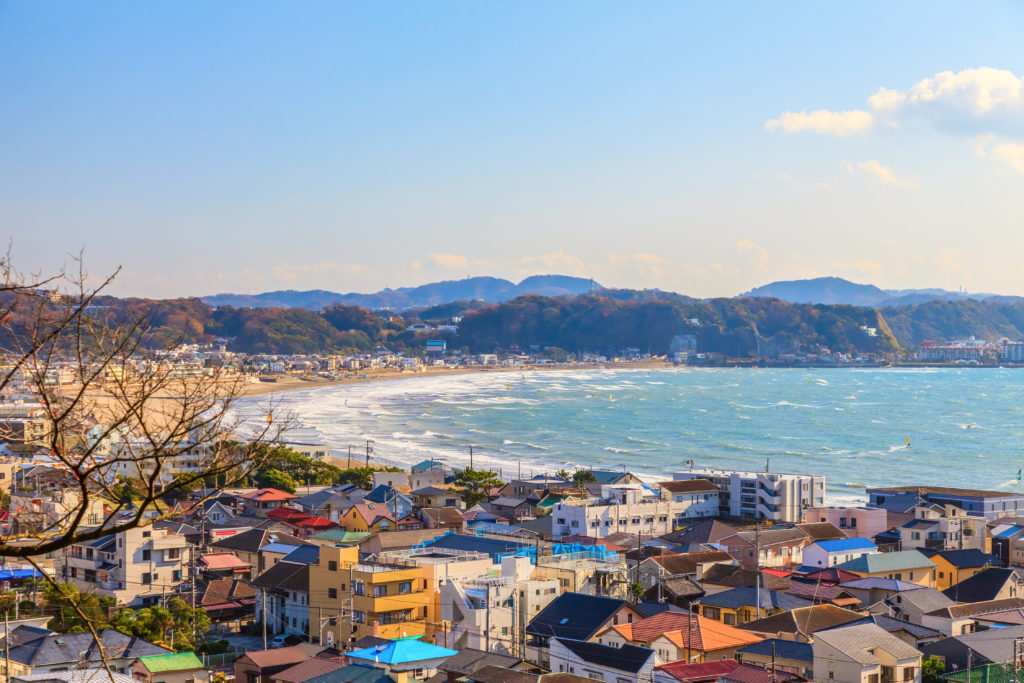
[[769, 496]]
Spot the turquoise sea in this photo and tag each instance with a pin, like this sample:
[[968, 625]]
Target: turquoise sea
[[966, 426]]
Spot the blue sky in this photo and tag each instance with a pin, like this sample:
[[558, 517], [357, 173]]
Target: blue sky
[[702, 148]]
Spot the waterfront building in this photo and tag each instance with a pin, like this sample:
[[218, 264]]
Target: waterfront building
[[989, 504], [630, 508], [762, 495]]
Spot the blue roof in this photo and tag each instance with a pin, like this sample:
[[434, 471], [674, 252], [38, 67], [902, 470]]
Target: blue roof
[[303, 554], [383, 493], [844, 544], [9, 574], [1010, 531], [492, 546], [402, 652], [283, 548], [784, 649]]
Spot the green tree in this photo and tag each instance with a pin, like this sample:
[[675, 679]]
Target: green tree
[[276, 479], [60, 600], [475, 484], [157, 623], [563, 474], [360, 476], [932, 669], [581, 477], [636, 591], [125, 489]]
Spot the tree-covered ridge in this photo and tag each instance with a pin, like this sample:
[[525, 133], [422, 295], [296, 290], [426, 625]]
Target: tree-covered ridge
[[734, 327], [608, 321]]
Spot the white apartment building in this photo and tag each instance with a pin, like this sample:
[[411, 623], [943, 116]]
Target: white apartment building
[[490, 612], [628, 508], [762, 495], [135, 567]]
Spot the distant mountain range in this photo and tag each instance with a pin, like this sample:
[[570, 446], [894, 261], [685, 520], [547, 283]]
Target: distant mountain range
[[487, 289], [834, 290]]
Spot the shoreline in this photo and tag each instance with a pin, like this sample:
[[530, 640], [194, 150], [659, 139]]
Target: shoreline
[[292, 383]]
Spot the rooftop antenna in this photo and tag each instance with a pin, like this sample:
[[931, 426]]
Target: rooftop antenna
[[767, 461]]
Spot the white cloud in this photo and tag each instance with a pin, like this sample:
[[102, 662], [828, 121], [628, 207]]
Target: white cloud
[[556, 261], [1009, 153], [452, 261], [290, 272], [979, 104], [639, 263], [887, 176], [824, 122]]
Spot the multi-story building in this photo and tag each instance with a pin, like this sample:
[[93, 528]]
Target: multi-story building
[[589, 572], [487, 612], [855, 522], [628, 508], [943, 527], [988, 504], [135, 567], [762, 495]]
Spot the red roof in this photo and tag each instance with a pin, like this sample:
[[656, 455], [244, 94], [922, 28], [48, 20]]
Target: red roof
[[778, 572], [268, 494], [315, 522], [287, 514], [701, 671], [223, 561]]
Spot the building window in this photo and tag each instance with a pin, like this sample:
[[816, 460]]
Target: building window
[[147, 534], [147, 578], [359, 617], [147, 555], [332, 566], [711, 613], [380, 591], [908, 673], [176, 575], [332, 592], [173, 554], [358, 588], [405, 588]]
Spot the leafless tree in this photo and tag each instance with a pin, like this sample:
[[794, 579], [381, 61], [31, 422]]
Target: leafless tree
[[114, 408]]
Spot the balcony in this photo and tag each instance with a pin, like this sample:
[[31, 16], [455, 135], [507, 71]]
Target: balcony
[[390, 603]]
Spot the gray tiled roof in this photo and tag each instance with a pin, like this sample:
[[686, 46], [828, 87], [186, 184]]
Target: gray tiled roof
[[859, 641], [38, 647]]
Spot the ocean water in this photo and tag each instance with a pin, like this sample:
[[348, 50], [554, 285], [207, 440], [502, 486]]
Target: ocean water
[[966, 426]]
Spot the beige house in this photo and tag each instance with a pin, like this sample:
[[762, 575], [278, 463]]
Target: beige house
[[177, 667], [135, 567], [864, 653]]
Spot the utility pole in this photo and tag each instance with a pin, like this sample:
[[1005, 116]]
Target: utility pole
[[369, 449], [487, 600], [263, 591], [757, 568], [192, 583], [471, 458], [350, 457]]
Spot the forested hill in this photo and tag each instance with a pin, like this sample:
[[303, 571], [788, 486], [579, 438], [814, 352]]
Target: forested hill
[[947, 320], [609, 321]]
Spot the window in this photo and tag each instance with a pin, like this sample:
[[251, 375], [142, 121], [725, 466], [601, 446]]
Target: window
[[358, 588], [147, 555], [147, 578], [332, 592], [873, 678], [560, 520], [359, 617], [729, 619], [147, 534], [908, 673], [594, 676], [172, 554], [333, 621], [405, 588], [380, 591], [332, 566], [176, 575], [711, 613]]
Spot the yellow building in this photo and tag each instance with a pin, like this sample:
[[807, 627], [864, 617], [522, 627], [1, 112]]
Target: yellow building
[[330, 579], [351, 599], [367, 517], [954, 566]]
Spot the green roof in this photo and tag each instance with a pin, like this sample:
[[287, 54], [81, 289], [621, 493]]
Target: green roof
[[340, 536], [176, 661], [887, 562]]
